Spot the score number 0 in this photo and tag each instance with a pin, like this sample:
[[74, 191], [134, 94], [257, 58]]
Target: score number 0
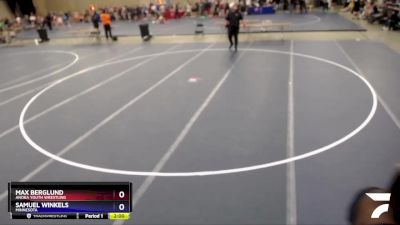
[[121, 195]]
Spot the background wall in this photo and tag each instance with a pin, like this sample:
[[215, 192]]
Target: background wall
[[21, 7], [41, 7], [4, 11], [79, 5], [44, 6]]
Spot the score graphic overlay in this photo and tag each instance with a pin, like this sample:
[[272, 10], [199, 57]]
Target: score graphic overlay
[[70, 200]]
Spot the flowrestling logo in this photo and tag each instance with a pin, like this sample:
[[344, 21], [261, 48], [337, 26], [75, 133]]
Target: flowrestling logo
[[379, 197]]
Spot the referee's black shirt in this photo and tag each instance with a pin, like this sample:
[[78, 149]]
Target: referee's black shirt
[[234, 18]]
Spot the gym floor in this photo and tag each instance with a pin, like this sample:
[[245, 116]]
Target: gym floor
[[284, 131]]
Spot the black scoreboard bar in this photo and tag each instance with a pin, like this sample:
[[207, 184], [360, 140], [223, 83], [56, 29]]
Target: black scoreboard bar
[[58, 216], [70, 200]]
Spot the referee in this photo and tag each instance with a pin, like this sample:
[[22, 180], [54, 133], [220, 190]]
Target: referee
[[233, 24]]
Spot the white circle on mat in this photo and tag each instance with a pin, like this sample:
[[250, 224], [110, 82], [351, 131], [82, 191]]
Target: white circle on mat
[[316, 19], [200, 173], [75, 60]]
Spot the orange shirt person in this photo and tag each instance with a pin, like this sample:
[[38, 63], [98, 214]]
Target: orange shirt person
[[106, 20]]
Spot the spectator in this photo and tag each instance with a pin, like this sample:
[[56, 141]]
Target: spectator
[[293, 5], [349, 7], [392, 21], [325, 5], [66, 18], [86, 17], [32, 19], [18, 20], [48, 20], [177, 11], [95, 20], [216, 8], [379, 16], [226, 9], [303, 7], [356, 9], [188, 10], [59, 21]]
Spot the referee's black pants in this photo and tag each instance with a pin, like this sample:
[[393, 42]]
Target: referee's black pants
[[233, 32], [107, 30]]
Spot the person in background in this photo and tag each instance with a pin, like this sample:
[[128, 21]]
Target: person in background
[[293, 5], [119, 13], [95, 20], [48, 20], [349, 7], [7, 23], [145, 11], [176, 11], [59, 21], [66, 18], [367, 10], [32, 19], [302, 6], [370, 10], [3, 38], [2, 24], [395, 198], [216, 8], [356, 9], [233, 25], [188, 10], [325, 5], [124, 13], [226, 9], [106, 20], [133, 13], [392, 21], [18, 20]]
